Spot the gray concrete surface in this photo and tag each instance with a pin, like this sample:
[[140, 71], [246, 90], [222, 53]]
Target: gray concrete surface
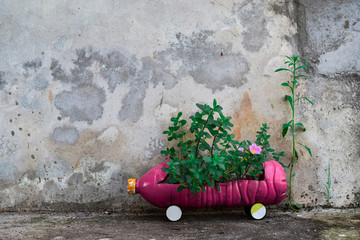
[[224, 224], [88, 87]]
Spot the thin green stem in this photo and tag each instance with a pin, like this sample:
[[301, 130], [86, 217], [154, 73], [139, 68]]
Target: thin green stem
[[197, 145], [213, 142], [293, 134]]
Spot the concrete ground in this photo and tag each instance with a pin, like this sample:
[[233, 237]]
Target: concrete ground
[[215, 224]]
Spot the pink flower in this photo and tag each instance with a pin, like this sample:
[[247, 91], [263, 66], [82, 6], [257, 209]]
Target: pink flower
[[240, 149], [210, 147], [255, 149]]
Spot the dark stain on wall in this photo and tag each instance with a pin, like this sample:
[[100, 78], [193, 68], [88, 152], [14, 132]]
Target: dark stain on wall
[[82, 103], [33, 65], [65, 135], [279, 8], [196, 56], [200, 59], [99, 167], [57, 72], [2, 80], [332, 25], [75, 179], [117, 67], [252, 16]]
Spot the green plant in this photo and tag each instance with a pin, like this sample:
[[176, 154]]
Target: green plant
[[208, 154], [328, 185], [294, 65]]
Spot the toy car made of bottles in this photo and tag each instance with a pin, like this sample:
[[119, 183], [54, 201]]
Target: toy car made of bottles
[[254, 195]]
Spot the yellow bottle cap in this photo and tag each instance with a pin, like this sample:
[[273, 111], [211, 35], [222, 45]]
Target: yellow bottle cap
[[131, 186]]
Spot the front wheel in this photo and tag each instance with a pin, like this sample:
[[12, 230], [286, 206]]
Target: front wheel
[[256, 211], [173, 213]]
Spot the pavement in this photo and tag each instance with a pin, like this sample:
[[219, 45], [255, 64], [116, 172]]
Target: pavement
[[195, 224]]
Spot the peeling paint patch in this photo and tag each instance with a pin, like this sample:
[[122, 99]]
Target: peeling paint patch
[[253, 17], [155, 146], [30, 99], [221, 71], [75, 179], [8, 171], [99, 167], [330, 63], [82, 103], [60, 43], [65, 135], [132, 105], [202, 60], [41, 82], [79, 74], [117, 67], [109, 135], [2, 80]]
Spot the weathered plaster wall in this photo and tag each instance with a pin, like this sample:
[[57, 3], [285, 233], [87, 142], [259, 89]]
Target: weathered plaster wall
[[86, 89], [329, 36]]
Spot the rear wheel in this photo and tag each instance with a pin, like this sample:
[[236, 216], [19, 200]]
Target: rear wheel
[[258, 211], [173, 213]]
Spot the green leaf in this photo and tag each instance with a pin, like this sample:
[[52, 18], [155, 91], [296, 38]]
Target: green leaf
[[291, 59], [289, 98], [308, 149], [282, 69], [304, 76], [182, 122], [210, 182], [301, 67], [218, 109], [207, 159], [214, 103], [296, 154], [286, 85], [296, 58], [222, 166], [301, 125], [180, 188], [218, 187], [200, 106], [308, 100], [285, 129]]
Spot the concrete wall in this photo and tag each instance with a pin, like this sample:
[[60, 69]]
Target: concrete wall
[[88, 87]]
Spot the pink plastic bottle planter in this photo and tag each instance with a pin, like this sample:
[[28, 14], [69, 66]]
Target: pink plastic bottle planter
[[254, 195]]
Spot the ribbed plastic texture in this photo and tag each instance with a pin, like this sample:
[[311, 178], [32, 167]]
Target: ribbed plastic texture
[[240, 193]]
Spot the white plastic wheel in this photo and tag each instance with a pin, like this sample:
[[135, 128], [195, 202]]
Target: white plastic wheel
[[173, 213], [258, 211]]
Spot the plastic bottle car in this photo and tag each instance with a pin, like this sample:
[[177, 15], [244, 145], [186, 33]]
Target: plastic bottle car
[[254, 195]]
